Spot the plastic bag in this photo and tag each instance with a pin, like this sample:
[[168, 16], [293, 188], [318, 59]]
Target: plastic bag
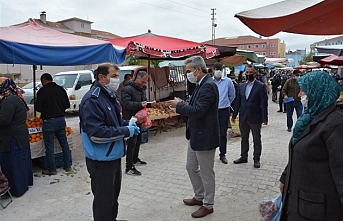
[[141, 115], [235, 127], [143, 118], [147, 122], [270, 209]]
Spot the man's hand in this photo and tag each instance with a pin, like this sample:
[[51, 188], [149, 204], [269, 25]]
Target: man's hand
[[281, 187], [173, 103], [265, 123], [144, 103], [286, 97], [153, 103]]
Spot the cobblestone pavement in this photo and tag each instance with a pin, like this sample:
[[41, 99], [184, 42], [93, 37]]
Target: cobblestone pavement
[[157, 194]]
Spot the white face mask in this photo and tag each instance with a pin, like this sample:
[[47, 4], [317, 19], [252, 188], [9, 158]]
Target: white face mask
[[218, 74], [113, 85], [191, 77], [304, 100]]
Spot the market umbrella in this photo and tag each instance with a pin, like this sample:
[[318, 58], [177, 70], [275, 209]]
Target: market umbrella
[[152, 46], [160, 47], [311, 17], [332, 60]]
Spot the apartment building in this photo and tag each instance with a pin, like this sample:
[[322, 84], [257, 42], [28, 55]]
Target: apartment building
[[271, 48], [331, 41]]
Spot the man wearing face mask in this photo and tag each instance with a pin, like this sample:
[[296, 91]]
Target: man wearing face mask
[[227, 94], [202, 131], [292, 89], [133, 99], [252, 106], [103, 132]]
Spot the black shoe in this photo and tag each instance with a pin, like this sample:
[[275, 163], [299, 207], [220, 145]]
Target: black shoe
[[49, 173], [223, 159], [67, 169], [133, 171], [289, 130], [139, 163], [240, 160], [279, 111], [257, 164], [284, 111]]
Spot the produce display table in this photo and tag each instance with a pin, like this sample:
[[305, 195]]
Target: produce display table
[[38, 148], [159, 122]]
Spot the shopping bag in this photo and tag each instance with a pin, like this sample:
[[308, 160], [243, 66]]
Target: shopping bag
[[235, 128], [270, 209], [141, 115], [143, 118]]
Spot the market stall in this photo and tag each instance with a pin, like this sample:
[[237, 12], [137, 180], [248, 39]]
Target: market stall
[[160, 114], [36, 138]]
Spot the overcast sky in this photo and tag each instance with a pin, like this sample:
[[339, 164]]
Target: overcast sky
[[186, 19]]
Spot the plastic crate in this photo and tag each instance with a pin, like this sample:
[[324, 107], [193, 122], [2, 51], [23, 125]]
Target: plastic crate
[[59, 162]]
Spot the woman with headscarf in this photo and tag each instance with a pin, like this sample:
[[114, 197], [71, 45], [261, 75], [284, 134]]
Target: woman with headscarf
[[15, 154], [312, 183]]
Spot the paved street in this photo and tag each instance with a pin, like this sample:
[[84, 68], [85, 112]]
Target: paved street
[[157, 194]]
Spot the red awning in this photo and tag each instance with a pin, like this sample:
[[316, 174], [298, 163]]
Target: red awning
[[310, 17], [332, 60], [158, 46]]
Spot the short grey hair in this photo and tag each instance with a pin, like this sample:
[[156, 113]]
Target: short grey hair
[[197, 61], [142, 74]]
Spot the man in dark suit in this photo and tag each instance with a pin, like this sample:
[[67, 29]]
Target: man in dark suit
[[252, 105], [202, 131]]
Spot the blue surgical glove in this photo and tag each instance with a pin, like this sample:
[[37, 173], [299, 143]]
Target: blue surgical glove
[[133, 124], [137, 130], [132, 130]]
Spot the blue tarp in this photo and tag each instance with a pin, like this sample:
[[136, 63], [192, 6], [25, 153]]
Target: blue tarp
[[30, 43], [240, 68]]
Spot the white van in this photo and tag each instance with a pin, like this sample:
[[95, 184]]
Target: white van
[[76, 83]]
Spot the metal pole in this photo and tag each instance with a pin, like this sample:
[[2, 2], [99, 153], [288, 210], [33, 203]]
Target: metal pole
[[149, 77], [214, 25], [34, 90]]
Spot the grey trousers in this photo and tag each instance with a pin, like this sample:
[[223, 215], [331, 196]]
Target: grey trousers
[[200, 171]]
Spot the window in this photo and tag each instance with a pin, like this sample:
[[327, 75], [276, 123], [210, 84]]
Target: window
[[272, 53], [241, 46], [85, 79], [264, 46], [82, 25], [339, 42], [273, 45], [256, 46], [263, 53], [249, 46]]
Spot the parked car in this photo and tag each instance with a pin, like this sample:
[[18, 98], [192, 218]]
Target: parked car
[[76, 83], [28, 92]]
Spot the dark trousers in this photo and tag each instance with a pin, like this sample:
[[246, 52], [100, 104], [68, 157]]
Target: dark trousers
[[55, 127], [223, 118], [290, 109], [281, 103], [105, 183], [132, 151], [274, 95], [245, 128]]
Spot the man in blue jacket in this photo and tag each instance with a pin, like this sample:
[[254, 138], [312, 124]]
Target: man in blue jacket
[[103, 132], [252, 106]]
